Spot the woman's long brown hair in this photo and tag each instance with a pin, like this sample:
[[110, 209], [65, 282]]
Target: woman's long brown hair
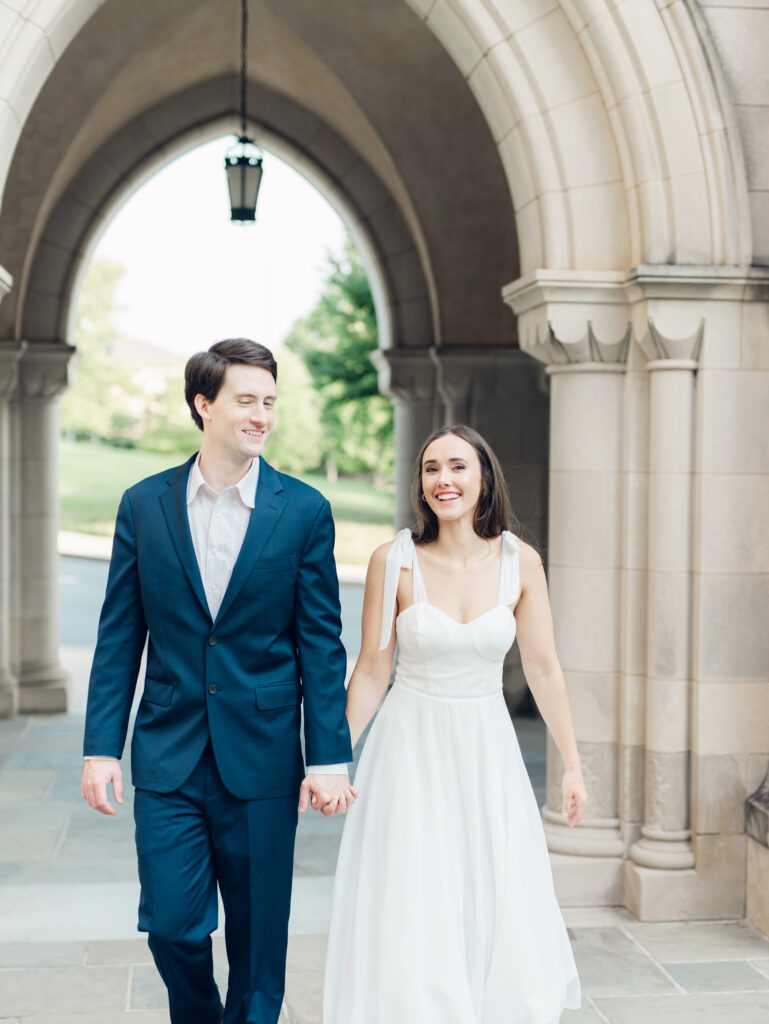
[[493, 513]]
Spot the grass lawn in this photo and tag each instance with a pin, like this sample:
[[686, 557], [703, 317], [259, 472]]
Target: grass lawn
[[93, 477]]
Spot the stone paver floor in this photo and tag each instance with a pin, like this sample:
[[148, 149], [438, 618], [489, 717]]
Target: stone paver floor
[[70, 954]]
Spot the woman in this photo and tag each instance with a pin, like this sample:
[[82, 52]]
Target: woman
[[444, 910]]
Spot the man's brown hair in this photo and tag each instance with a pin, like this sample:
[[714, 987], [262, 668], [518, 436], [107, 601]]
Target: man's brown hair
[[204, 372]]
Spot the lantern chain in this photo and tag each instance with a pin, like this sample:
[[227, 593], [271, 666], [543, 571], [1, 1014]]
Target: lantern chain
[[243, 64]]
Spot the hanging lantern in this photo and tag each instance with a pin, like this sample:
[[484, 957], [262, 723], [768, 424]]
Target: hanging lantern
[[243, 161]]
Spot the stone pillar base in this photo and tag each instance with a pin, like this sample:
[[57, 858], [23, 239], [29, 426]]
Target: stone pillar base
[[758, 885], [715, 889], [663, 850], [596, 837], [587, 881], [43, 690]]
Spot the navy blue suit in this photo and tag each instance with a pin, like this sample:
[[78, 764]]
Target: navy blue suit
[[215, 755]]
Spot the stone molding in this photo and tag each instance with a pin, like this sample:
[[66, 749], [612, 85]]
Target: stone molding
[[673, 852], [595, 837], [458, 371], [569, 316], [43, 370], [10, 354], [406, 375], [420, 376]]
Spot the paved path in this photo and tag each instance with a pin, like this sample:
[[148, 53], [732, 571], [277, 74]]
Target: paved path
[[70, 953]]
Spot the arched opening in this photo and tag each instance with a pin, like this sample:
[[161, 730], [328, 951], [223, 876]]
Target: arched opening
[[163, 276], [436, 256]]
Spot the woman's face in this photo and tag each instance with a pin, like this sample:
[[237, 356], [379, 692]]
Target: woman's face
[[451, 477]]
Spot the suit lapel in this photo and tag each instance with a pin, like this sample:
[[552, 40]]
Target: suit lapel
[[268, 508], [174, 503]]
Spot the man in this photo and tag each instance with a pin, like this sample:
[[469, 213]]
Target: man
[[227, 567]]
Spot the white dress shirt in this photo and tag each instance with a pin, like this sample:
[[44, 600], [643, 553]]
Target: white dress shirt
[[218, 523]]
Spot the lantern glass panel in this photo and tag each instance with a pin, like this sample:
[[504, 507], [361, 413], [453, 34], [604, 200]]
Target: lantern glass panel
[[244, 176]]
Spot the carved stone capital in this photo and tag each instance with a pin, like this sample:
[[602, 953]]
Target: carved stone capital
[[683, 353], [43, 370], [407, 375], [667, 306], [588, 350], [10, 353], [571, 316]]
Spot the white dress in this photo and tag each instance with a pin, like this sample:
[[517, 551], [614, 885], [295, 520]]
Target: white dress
[[444, 910]]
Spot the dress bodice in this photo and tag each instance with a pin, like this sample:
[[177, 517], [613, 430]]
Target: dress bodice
[[438, 655]]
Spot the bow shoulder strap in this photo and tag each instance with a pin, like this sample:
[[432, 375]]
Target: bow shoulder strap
[[400, 556]]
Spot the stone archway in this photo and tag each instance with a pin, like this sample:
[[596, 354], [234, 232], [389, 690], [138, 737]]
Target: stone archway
[[602, 143], [401, 281], [439, 254]]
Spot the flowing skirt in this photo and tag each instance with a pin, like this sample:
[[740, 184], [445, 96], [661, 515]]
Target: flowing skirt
[[444, 910]]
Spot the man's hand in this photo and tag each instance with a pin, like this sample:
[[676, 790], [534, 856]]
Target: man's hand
[[97, 775], [331, 794]]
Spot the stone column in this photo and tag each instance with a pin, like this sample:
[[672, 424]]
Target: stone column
[[407, 376], [632, 681], [564, 319], [584, 571], [42, 378], [665, 841], [9, 357]]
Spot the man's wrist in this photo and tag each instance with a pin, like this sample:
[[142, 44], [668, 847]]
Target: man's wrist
[[327, 769]]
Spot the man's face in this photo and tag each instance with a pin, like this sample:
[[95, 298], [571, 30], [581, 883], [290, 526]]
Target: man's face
[[241, 416]]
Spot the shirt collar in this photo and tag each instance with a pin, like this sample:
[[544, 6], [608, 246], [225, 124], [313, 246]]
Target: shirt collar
[[246, 486]]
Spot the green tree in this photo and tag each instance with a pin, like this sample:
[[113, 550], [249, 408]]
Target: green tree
[[110, 400], [98, 405], [296, 442], [336, 341]]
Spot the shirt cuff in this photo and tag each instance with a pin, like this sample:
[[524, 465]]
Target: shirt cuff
[[327, 769], [100, 757]]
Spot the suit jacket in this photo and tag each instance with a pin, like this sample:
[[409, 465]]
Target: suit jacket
[[239, 679]]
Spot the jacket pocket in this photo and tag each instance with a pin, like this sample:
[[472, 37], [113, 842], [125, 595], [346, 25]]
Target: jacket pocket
[[159, 693], [271, 696]]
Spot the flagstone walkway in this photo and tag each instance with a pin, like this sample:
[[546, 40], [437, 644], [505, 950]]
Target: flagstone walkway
[[70, 954]]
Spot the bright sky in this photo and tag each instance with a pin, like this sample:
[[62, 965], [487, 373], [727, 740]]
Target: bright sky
[[192, 276]]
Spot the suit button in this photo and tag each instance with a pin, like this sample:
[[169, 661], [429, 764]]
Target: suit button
[[213, 641], [213, 688]]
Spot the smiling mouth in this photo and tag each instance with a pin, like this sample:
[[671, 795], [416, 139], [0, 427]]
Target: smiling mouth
[[254, 433], [444, 499]]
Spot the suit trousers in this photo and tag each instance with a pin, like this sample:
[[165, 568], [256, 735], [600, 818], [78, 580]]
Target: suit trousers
[[188, 842]]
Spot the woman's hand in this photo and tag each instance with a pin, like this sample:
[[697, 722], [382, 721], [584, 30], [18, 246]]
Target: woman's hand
[[574, 795]]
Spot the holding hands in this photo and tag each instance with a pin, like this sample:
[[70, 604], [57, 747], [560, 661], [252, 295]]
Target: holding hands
[[331, 794]]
